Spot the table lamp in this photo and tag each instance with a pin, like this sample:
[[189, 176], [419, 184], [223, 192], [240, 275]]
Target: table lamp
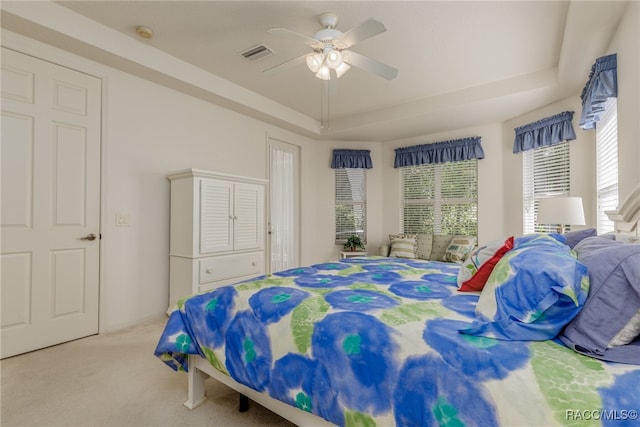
[[562, 211]]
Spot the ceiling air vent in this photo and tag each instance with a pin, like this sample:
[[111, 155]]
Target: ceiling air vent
[[257, 52]]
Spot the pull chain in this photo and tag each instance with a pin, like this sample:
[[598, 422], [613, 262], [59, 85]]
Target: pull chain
[[325, 106]]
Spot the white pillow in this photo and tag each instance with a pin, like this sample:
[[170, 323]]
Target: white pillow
[[628, 333], [403, 246], [476, 258]]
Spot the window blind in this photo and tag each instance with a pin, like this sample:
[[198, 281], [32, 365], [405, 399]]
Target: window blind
[[546, 173], [440, 198], [607, 164], [351, 204]]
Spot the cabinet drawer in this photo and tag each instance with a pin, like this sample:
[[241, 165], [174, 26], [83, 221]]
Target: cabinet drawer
[[228, 267]]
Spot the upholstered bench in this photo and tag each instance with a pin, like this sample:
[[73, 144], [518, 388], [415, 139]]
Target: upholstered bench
[[433, 247]]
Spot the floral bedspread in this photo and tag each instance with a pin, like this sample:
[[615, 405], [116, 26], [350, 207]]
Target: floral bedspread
[[375, 341]]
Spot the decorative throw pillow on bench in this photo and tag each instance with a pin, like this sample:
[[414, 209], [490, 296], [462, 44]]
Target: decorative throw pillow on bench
[[403, 246], [439, 246], [425, 242], [433, 247], [458, 249]]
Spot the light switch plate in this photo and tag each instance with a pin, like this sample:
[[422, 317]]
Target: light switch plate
[[123, 220]]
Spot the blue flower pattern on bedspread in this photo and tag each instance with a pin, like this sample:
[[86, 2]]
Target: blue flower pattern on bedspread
[[462, 304], [364, 341], [359, 300], [420, 289], [445, 399], [271, 304], [478, 357], [212, 314], [618, 404], [347, 345], [248, 351]]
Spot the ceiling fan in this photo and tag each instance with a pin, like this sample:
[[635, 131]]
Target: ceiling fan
[[330, 57]]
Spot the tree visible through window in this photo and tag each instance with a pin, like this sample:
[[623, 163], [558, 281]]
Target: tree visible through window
[[440, 198], [546, 174], [351, 204]]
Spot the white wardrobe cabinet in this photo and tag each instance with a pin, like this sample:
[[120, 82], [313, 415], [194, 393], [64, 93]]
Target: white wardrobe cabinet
[[217, 232]]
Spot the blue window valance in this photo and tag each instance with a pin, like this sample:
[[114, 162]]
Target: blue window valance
[[352, 159], [602, 84], [439, 152], [548, 131]]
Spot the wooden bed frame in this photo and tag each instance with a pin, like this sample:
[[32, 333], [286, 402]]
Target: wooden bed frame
[[627, 224]]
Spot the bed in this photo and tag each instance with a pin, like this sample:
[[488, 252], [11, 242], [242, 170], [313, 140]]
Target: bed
[[382, 341]]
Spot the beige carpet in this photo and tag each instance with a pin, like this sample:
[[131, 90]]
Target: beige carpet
[[113, 380]]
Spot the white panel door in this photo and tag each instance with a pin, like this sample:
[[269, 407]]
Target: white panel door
[[50, 203]]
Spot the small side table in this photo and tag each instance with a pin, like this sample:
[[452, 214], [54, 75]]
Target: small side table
[[351, 254]]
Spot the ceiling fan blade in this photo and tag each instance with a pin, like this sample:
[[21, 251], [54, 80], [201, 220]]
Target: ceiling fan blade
[[309, 41], [285, 65], [368, 64], [366, 30]]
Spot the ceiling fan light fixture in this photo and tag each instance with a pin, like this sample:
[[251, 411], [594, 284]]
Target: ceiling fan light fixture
[[342, 68], [324, 73], [315, 62], [333, 58]]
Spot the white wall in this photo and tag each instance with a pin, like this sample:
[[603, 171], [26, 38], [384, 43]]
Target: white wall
[[151, 130], [490, 177]]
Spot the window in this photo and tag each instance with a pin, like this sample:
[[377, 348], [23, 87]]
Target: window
[[351, 204], [546, 174], [440, 198], [607, 164]]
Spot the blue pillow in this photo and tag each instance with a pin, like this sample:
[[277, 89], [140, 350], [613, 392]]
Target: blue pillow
[[572, 238], [538, 239], [532, 293], [613, 301]]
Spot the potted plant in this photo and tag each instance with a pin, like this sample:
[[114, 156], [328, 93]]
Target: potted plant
[[353, 243]]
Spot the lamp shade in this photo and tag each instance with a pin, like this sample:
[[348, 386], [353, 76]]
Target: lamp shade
[[333, 58], [315, 61], [561, 210]]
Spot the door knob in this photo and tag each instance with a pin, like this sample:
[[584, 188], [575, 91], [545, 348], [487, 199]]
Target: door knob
[[90, 237]]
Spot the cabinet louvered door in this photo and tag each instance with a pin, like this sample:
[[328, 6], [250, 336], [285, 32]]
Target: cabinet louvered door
[[248, 217], [216, 216]]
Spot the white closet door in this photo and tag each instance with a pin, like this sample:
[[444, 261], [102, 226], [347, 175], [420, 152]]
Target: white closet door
[[50, 203]]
